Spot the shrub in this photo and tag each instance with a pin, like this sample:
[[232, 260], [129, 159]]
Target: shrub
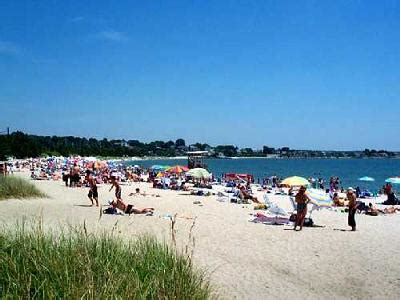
[[75, 265], [15, 187]]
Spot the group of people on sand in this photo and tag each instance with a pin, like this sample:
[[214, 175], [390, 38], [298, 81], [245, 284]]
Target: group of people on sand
[[117, 203], [302, 200]]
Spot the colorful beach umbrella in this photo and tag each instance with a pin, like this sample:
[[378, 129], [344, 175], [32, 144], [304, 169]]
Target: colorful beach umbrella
[[198, 173], [177, 169], [366, 178], [295, 181], [319, 197], [158, 167], [393, 180]]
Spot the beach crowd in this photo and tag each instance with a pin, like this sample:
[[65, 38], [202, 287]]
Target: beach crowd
[[89, 172]]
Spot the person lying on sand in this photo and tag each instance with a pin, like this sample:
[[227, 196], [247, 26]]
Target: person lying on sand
[[130, 209], [391, 210], [137, 193], [372, 210]]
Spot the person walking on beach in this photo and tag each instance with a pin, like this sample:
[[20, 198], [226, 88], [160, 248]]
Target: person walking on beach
[[352, 208], [114, 183], [301, 199], [93, 194]]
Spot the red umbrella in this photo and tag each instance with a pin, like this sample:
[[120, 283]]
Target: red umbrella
[[177, 169]]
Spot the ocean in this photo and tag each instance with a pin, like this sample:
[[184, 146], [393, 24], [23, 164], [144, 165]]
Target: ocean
[[348, 170]]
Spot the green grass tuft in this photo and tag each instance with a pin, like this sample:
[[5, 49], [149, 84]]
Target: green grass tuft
[[75, 265], [15, 187]]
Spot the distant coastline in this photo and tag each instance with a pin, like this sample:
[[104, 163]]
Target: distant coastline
[[21, 145]]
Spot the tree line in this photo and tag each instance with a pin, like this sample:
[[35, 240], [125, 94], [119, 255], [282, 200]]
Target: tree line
[[22, 145]]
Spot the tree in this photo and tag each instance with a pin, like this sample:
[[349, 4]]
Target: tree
[[267, 150], [180, 143], [227, 150]]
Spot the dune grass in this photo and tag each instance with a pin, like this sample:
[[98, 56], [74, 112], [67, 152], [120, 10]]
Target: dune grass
[[16, 187], [76, 265]]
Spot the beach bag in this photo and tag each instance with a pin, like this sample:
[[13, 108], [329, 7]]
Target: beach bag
[[308, 222], [110, 211]]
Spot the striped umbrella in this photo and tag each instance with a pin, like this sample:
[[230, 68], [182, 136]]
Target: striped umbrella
[[177, 169], [319, 198]]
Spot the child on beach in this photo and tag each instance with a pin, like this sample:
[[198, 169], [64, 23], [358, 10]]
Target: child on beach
[[93, 194]]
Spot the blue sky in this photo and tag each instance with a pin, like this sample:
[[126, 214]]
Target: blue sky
[[303, 74]]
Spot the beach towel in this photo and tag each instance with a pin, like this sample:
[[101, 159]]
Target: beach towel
[[270, 220]]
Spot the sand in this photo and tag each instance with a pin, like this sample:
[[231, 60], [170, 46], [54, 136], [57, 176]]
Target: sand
[[243, 259]]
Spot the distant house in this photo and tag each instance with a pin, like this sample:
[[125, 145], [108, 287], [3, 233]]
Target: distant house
[[193, 148], [122, 143]]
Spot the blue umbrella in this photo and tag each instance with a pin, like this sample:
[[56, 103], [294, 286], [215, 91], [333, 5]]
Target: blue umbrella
[[158, 167], [366, 178], [393, 180]]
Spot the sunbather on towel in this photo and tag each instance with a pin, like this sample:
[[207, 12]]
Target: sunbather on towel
[[129, 208], [246, 195]]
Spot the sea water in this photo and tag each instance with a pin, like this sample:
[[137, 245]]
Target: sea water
[[348, 170]]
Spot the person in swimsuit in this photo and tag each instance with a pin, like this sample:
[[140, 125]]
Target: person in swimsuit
[[130, 209], [93, 194], [301, 199], [115, 183], [352, 208]]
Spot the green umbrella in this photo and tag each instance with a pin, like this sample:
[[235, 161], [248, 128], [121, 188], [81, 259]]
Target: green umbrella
[[198, 173]]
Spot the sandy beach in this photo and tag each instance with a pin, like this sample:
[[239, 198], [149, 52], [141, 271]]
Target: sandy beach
[[244, 260]]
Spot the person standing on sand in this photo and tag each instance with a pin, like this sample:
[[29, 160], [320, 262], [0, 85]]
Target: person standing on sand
[[93, 194], [118, 191], [301, 199], [352, 208]]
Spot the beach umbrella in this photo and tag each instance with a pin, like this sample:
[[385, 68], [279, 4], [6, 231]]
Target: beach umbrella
[[160, 174], [393, 180], [198, 173], [366, 178], [158, 167], [177, 169], [319, 198], [295, 181]]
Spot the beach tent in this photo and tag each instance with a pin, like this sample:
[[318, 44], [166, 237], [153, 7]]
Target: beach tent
[[295, 181], [198, 173]]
